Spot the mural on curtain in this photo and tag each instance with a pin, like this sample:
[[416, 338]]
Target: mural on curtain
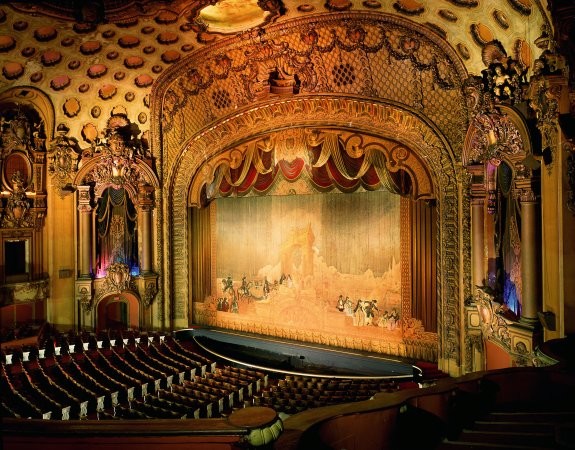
[[321, 262]]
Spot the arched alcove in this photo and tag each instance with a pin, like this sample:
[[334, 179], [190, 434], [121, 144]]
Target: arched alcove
[[118, 312]]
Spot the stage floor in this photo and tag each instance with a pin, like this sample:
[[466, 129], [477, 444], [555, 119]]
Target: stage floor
[[295, 358]]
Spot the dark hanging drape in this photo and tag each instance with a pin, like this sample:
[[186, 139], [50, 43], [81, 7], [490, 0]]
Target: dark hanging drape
[[201, 273], [508, 241], [424, 263], [116, 237]]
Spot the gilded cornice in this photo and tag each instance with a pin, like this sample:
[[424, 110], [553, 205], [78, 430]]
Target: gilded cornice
[[181, 106]]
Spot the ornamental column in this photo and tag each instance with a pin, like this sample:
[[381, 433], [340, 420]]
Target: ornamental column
[[477, 226], [146, 206], [85, 234], [529, 268]]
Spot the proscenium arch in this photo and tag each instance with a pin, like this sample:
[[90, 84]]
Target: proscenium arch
[[390, 121]]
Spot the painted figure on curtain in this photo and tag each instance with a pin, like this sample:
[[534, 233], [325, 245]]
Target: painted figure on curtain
[[314, 262], [116, 237]]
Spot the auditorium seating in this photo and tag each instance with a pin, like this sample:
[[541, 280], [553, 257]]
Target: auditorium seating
[[143, 377], [134, 375], [296, 393], [120, 376]]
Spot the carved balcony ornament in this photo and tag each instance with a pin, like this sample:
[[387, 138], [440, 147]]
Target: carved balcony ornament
[[494, 326], [16, 213], [62, 158], [118, 166], [504, 78], [118, 278], [149, 294]]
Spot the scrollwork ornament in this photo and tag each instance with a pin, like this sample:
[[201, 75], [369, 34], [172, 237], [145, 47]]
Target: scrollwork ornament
[[17, 212], [493, 324], [62, 159], [149, 294]]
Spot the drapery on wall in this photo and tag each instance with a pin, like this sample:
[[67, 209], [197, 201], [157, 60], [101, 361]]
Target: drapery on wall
[[201, 253], [424, 264], [508, 241], [116, 238]]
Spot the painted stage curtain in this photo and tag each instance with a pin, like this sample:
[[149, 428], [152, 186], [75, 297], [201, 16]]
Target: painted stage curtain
[[314, 236], [116, 219], [424, 264]]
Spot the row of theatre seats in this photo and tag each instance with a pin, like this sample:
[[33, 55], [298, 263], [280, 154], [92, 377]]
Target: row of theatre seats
[[134, 378], [296, 393], [142, 376]]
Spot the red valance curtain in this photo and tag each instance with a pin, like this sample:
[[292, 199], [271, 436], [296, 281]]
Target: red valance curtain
[[329, 167]]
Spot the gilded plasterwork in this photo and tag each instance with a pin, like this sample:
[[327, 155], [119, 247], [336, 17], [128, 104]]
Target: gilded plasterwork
[[383, 120], [398, 64]]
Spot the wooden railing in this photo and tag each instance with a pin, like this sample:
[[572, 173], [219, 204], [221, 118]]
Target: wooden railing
[[422, 418], [248, 427]]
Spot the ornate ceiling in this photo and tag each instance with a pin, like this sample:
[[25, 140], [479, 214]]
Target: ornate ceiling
[[94, 56]]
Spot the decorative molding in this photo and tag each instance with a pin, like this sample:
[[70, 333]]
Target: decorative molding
[[26, 292], [62, 159]]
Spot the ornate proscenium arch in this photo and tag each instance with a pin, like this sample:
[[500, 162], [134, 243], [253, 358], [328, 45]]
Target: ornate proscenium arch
[[385, 120], [408, 92]]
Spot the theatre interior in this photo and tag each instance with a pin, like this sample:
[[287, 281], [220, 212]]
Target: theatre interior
[[282, 224]]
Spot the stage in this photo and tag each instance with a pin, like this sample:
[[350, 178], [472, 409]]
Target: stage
[[289, 357]]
